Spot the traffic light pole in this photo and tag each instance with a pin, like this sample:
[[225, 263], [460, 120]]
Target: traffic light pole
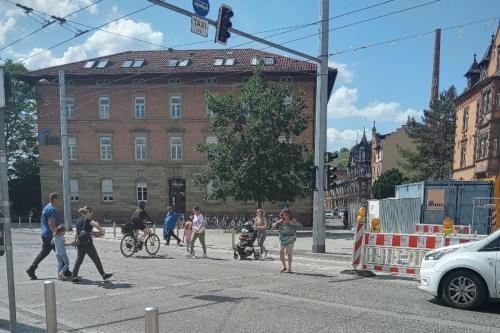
[[4, 184], [320, 111]]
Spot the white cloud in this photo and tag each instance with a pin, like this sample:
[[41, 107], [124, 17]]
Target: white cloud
[[101, 43], [345, 74], [5, 26], [342, 104], [52, 7], [348, 136]]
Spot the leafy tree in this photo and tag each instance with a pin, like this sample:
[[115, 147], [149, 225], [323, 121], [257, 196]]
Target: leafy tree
[[343, 158], [256, 157], [434, 138], [21, 139], [384, 186]]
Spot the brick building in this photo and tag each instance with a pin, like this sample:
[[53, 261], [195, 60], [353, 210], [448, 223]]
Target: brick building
[[135, 120]]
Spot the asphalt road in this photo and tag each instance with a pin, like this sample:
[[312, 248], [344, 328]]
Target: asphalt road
[[219, 294]]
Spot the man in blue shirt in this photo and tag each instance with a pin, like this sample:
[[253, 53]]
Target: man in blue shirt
[[169, 226], [50, 221]]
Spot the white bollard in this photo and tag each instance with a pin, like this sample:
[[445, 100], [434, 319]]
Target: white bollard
[[151, 317], [30, 222], [114, 229], [233, 238], [154, 228], [19, 220], [50, 306]]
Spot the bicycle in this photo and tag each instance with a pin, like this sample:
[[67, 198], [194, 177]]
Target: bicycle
[[131, 244]]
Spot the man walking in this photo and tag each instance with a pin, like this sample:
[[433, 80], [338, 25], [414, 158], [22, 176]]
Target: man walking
[[169, 226], [50, 221]]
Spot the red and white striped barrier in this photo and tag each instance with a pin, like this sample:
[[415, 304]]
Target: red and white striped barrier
[[437, 228], [358, 244], [402, 254]]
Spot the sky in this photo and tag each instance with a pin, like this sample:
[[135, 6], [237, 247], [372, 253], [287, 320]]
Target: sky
[[384, 82]]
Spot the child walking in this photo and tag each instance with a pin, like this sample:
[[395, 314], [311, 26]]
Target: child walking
[[62, 256], [186, 236]]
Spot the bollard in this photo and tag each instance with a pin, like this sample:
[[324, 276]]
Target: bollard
[[50, 306], [151, 317], [233, 238], [19, 220], [114, 229], [154, 228], [30, 222]]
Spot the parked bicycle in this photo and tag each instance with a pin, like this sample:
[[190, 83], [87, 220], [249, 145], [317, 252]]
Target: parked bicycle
[[131, 243]]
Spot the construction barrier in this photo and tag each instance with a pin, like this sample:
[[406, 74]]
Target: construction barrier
[[402, 254], [437, 228]]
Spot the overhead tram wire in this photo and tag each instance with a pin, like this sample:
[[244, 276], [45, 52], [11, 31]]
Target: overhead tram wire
[[419, 35], [46, 24]]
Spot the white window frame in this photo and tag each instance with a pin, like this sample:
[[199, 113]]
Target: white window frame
[[74, 190], [175, 106], [69, 106], [104, 107], [72, 148], [176, 144], [141, 148], [107, 190], [105, 148], [140, 107], [141, 190]]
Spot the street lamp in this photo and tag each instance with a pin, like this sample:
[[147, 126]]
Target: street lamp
[[64, 149]]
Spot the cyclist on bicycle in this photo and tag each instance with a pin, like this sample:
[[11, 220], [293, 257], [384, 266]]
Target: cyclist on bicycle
[[138, 218]]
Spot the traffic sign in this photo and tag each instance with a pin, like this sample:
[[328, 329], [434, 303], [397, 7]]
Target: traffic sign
[[199, 26], [201, 7]]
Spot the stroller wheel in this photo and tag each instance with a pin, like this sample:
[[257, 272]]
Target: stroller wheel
[[256, 255], [235, 255]]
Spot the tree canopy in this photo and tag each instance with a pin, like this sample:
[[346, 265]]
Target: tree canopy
[[434, 138], [384, 186], [257, 157]]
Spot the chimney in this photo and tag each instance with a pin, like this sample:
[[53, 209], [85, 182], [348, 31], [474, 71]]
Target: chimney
[[435, 67]]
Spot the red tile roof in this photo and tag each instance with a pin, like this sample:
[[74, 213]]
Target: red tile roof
[[201, 61]]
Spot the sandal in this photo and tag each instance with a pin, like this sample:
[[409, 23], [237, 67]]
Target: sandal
[[289, 271], [283, 270]]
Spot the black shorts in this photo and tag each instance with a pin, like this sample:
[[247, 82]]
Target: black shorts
[[139, 225]]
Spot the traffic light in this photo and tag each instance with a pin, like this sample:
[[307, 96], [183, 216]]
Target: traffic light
[[223, 24], [331, 156], [330, 178]]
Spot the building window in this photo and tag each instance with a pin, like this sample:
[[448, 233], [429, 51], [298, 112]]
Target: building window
[[286, 79], [210, 192], [107, 190], [140, 107], [211, 140], [495, 148], [463, 152], [69, 106], [175, 106], [498, 101], [142, 191], [106, 148], [72, 151], [104, 107], [73, 184], [465, 122], [482, 146], [478, 110], [140, 148], [176, 148]]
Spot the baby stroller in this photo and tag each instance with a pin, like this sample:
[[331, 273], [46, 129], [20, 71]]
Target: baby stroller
[[245, 247]]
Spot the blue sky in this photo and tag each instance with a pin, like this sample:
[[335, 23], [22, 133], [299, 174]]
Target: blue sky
[[383, 83]]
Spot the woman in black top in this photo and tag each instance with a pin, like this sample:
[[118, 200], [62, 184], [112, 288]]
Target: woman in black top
[[84, 244], [139, 217]]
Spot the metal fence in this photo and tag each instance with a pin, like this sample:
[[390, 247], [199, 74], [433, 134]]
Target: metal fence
[[399, 215], [485, 214]]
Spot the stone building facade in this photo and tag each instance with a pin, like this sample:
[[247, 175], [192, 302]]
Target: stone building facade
[[386, 151], [477, 131], [135, 120]]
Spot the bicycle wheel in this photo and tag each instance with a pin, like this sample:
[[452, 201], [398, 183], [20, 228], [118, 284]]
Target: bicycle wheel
[[152, 244], [127, 245]]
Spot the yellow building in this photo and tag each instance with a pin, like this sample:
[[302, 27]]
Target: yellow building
[[385, 150]]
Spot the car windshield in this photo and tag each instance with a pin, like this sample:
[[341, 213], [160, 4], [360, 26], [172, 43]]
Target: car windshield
[[491, 237]]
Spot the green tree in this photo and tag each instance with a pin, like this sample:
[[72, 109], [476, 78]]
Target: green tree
[[384, 186], [257, 157], [342, 160], [434, 138], [22, 146]]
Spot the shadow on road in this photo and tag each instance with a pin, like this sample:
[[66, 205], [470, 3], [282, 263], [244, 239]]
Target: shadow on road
[[313, 274], [106, 284], [221, 299], [20, 327], [492, 307], [161, 256]]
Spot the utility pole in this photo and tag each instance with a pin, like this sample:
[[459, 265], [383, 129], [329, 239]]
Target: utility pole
[[68, 221], [320, 111], [320, 132], [6, 103]]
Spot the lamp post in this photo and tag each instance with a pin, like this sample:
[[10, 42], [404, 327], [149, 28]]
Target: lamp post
[[64, 150]]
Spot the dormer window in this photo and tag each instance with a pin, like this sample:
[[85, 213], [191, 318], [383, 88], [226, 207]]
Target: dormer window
[[184, 63], [138, 63], [102, 63], [230, 62], [218, 62], [254, 61], [127, 63], [89, 64], [269, 61], [172, 62]]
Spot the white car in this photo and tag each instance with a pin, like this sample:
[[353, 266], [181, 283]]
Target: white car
[[328, 214], [463, 275]]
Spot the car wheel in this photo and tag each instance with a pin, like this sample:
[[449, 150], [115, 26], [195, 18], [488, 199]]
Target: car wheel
[[464, 290]]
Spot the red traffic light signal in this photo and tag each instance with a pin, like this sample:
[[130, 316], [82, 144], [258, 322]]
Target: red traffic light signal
[[223, 24]]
